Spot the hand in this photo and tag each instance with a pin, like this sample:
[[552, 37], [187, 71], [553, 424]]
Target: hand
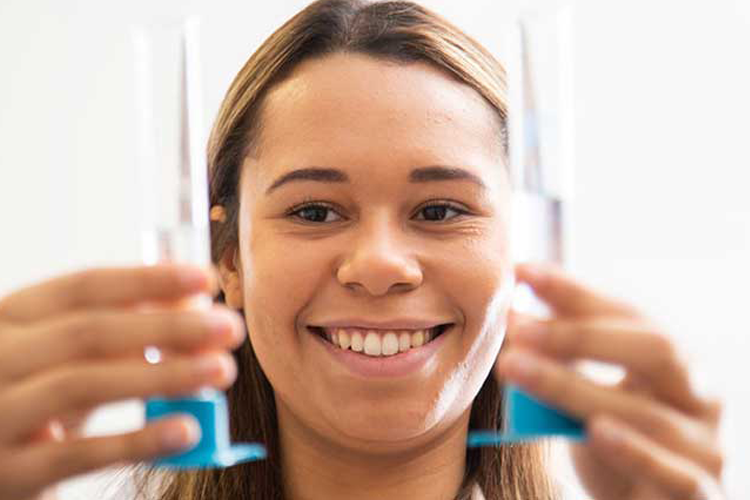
[[75, 342], [651, 436]]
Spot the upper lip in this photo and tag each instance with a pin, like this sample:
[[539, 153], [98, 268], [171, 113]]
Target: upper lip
[[394, 324]]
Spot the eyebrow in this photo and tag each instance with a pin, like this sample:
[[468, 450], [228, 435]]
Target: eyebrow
[[433, 173]]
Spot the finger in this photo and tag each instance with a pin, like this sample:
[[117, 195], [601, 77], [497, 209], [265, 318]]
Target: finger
[[109, 333], [51, 431], [517, 318], [566, 295], [29, 470], [635, 346], [30, 403], [105, 287], [644, 460], [582, 398]]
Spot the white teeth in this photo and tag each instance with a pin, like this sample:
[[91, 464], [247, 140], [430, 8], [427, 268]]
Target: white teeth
[[404, 341], [357, 342], [372, 344], [344, 339], [377, 343], [390, 344], [417, 338]]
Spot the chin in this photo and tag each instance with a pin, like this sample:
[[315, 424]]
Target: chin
[[384, 427]]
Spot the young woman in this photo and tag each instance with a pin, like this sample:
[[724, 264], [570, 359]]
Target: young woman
[[360, 200]]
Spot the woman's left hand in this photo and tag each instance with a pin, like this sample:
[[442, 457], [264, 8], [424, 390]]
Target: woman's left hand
[[651, 436]]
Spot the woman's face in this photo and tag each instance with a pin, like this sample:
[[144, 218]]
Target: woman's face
[[392, 145]]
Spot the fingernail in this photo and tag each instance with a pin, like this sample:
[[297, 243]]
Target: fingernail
[[181, 434], [210, 366], [220, 324], [193, 279]]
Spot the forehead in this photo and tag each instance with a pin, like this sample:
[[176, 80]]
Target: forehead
[[354, 110]]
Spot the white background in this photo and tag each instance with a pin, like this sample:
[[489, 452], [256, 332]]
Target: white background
[[661, 215]]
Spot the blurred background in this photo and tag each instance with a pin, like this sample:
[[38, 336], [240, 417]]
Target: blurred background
[[661, 214]]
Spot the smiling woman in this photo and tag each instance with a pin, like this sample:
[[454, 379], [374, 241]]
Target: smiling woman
[[360, 236], [360, 192]]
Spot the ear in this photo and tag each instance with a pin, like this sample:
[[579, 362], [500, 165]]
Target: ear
[[230, 278]]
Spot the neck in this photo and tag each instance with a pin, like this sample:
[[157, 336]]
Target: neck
[[316, 469]]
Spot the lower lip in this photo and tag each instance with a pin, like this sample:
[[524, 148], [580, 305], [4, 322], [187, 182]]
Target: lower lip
[[396, 365]]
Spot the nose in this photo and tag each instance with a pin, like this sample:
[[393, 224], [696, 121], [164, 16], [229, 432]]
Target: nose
[[379, 261]]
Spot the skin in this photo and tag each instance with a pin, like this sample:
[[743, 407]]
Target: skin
[[93, 326], [377, 256], [651, 436], [372, 253]]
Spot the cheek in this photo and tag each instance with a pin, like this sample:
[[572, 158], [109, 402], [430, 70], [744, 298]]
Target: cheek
[[280, 277], [481, 283], [279, 280], [477, 269]]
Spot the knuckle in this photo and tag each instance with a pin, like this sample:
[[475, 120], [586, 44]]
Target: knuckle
[[664, 351], [83, 332], [582, 340], [69, 389], [176, 323], [627, 309], [120, 447], [692, 487], [553, 383], [643, 464], [168, 328], [173, 377], [170, 276], [659, 426], [84, 283], [716, 462], [713, 409], [142, 444]]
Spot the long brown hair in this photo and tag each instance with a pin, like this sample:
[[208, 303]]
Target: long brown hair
[[392, 30]]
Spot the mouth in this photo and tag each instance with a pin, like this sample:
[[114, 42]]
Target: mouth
[[378, 343]]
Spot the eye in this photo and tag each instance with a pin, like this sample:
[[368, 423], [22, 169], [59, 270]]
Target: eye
[[312, 212], [437, 212]]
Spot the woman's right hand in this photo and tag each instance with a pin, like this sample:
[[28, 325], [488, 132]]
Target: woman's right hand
[[73, 343]]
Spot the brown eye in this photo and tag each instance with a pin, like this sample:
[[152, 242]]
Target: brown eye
[[313, 212], [438, 212]]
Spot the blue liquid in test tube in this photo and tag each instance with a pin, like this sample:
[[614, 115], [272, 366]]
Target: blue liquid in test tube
[[173, 183], [540, 139]]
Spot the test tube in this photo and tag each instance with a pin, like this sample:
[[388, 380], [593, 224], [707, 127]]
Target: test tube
[[173, 184], [540, 131]]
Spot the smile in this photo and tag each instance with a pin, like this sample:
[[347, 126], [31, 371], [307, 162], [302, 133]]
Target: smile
[[377, 342]]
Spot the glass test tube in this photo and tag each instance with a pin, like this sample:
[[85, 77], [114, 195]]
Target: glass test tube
[[173, 181], [541, 142], [171, 161], [540, 130]]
